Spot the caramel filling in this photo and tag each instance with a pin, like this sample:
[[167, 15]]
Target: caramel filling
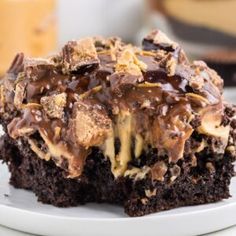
[[123, 131]]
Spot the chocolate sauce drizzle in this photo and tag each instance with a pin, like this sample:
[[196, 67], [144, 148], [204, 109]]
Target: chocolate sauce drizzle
[[99, 90]]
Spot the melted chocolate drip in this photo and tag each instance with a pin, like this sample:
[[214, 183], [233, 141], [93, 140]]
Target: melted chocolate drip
[[155, 99]]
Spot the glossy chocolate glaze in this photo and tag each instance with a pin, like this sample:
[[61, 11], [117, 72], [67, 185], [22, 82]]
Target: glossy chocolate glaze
[[149, 95]]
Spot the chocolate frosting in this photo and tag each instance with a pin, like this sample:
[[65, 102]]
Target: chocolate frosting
[[98, 90]]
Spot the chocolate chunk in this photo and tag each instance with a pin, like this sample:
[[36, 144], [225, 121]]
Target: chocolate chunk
[[17, 65], [37, 68], [157, 40], [122, 81], [54, 105], [79, 54], [90, 125]]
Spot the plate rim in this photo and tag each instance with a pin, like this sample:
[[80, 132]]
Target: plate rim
[[193, 217]]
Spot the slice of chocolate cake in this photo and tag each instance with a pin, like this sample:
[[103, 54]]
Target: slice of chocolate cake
[[105, 121]]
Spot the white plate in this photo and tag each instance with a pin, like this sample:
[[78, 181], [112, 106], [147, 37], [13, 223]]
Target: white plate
[[20, 210]]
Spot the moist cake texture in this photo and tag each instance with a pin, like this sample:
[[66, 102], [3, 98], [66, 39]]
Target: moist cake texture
[[105, 121]]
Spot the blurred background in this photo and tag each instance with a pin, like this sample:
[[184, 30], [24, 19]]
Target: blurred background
[[205, 28]]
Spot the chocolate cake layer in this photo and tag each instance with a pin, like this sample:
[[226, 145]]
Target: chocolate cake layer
[[105, 121], [207, 182]]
